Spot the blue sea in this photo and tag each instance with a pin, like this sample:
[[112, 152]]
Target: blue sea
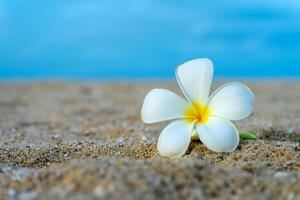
[[147, 38]]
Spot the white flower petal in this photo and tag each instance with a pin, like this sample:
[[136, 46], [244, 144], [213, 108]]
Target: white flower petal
[[232, 101], [218, 135], [174, 139], [195, 79], [161, 104]]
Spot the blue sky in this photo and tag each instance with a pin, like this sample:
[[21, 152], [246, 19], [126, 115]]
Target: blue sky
[[134, 38]]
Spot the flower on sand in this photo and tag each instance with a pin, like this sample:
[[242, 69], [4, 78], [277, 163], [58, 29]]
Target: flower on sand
[[199, 116]]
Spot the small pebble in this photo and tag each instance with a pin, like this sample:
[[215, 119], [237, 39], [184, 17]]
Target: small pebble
[[99, 192], [56, 136], [19, 173], [11, 193], [31, 195], [120, 140], [290, 130], [280, 174]]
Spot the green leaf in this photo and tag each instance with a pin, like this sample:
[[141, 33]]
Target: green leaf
[[247, 135]]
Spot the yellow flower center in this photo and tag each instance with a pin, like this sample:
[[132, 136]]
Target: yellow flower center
[[197, 112]]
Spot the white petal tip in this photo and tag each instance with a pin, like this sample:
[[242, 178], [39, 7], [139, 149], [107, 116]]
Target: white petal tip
[[160, 105], [174, 139], [202, 61], [219, 135], [195, 77], [232, 101], [169, 155]]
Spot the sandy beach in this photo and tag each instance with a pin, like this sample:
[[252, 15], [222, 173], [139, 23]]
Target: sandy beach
[[65, 140]]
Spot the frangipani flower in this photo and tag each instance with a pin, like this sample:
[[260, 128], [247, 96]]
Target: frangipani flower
[[198, 116]]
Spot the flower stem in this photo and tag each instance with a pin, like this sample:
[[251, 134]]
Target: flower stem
[[247, 135]]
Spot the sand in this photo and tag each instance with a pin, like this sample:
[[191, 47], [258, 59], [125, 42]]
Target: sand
[[67, 140]]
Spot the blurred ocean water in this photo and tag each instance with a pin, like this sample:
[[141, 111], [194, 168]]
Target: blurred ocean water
[[134, 39]]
